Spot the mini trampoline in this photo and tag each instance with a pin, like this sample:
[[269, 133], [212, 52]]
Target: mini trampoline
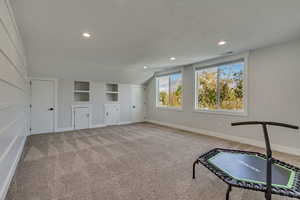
[[253, 170]]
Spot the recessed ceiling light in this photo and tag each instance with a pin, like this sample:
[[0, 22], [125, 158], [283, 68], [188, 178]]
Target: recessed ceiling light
[[145, 67], [87, 35], [172, 58], [222, 42]]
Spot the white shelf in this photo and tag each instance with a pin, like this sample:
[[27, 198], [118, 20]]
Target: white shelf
[[113, 87], [82, 85], [111, 92], [82, 91], [112, 97], [81, 97]]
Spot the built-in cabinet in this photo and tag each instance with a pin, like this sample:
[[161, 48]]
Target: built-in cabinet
[[112, 109], [111, 114], [81, 116], [110, 104], [81, 91], [112, 92]]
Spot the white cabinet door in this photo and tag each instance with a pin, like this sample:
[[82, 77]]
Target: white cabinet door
[[81, 117], [42, 106], [138, 104], [107, 114], [116, 113], [111, 114]]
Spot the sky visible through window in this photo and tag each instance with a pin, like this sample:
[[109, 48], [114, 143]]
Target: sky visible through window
[[230, 70], [164, 82]]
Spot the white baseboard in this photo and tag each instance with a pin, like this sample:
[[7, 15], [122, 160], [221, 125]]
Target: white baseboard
[[243, 140], [12, 171], [124, 123], [58, 130], [98, 125], [104, 125], [39, 132]]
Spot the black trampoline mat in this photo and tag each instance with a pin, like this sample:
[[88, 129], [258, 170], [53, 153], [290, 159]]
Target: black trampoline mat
[[252, 168]]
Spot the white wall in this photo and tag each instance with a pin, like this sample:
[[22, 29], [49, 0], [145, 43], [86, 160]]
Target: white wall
[[126, 104], [273, 95], [13, 98], [97, 100]]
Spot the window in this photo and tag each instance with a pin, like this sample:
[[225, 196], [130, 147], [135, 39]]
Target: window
[[169, 89], [221, 87]]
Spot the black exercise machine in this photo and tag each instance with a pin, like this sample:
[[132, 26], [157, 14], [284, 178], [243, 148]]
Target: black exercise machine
[[253, 170]]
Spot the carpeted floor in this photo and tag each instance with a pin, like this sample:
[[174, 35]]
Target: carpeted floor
[[131, 162]]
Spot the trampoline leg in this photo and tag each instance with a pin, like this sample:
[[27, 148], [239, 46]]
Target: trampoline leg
[[268, 196], [228, 192], [194, 165]]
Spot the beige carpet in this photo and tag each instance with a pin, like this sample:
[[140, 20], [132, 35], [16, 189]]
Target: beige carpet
[[131, 162]]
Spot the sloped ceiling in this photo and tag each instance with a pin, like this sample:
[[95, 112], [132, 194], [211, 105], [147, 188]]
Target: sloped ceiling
[[129, 34]]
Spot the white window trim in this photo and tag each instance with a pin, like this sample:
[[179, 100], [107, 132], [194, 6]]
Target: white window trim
[[166, 73], [170, 108], [203, 65]]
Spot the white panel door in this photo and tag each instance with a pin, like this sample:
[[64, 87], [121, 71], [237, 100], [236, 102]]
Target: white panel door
[[42, 106], [138, 104], [81, 118]]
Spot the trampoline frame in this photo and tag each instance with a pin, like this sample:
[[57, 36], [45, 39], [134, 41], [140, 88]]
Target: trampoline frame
[[267, 188]]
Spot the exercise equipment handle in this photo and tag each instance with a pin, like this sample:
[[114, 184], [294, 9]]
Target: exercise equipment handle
[[265, 123], [268, 148]]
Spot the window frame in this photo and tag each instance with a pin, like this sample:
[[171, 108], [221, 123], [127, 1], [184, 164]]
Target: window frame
[[215, 63], [168, 73]]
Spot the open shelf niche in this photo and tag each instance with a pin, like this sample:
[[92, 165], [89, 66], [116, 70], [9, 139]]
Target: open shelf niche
[[81, 91], [112, 92]]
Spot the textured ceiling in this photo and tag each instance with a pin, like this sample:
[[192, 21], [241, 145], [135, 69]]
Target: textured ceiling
[[128, 34]]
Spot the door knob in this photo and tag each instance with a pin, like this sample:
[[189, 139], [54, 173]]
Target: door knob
[[133, 106], [50, 109]]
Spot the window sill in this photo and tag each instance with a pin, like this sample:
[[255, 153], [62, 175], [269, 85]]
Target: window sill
[[223, 112], [179, 109]]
